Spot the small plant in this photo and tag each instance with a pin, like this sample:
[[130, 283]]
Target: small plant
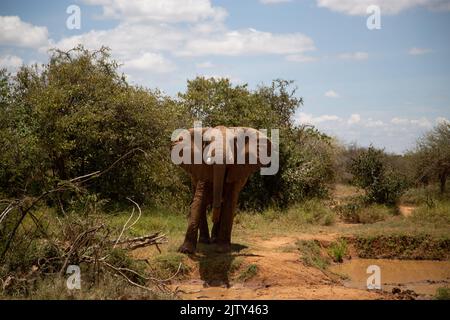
[[442, 294], [338, 251], [249, 272], [312, 254], [169, 263]]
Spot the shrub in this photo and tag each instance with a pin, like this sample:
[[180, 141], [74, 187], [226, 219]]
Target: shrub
[[358, 210], [78, 115], [381, 183], [311, 254], [437, 213], [442, 294], [338, 250]]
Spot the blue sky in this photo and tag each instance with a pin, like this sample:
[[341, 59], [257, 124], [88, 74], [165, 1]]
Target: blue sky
[[385, 87]]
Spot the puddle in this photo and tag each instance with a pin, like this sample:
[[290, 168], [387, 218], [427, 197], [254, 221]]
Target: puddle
[[421, 276]]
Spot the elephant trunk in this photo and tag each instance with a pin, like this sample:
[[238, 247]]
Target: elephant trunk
[[218, 180]]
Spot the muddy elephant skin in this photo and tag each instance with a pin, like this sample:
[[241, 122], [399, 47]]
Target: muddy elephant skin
[[219, 183]]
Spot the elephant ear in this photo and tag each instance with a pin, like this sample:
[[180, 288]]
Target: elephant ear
[[198, 171], [238, 172]]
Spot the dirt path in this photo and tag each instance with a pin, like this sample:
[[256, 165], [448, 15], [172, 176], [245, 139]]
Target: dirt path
[[280, 275]]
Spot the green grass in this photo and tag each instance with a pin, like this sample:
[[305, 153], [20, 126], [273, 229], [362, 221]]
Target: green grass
[[166, 265], [311, 254], [310, 214], [442, 294], [338, 250], [357, 211], [423, 195], [249, 272], [436, 213]]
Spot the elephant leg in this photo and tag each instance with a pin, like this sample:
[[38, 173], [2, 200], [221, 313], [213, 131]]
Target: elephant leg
[[204, 231], [215, 231], [227, 215], [197, 207]]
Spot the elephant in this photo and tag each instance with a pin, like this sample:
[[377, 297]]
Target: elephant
[[217, 183]]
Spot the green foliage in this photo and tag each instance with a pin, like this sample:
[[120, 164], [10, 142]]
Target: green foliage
[[432, 156], [77, 114], [249, 272], [311, 254], [371, 172], [338, 250], [168, 264], [437, 213], [359, 210], [306, 155], [442, 294]]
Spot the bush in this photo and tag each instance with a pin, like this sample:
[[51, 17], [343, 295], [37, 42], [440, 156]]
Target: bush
[[442, 294], [338, 250], [437, 212], [306, 155], [311, 254], [358, 210], [381, 183], [78, 115]]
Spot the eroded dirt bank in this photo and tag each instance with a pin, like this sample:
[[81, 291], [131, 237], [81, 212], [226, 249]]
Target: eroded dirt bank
[[280, 275]]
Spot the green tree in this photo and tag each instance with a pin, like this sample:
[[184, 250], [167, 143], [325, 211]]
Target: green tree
[[76, 115], [433, 155], [381, 182], [306, 155]]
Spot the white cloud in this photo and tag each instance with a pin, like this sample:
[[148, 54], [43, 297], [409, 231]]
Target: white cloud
[[354, 119], [274, 1], [358, 56], [390, 7], [418, 51], [370, 123], [397, 134], [307, 118], [331, 94], [169, 11], [10, 62], [400, 121], [248, 42], [179, 37], [131, 39], [300, 58], [205, 65], [150, 62], [422, 122], [15, 32]]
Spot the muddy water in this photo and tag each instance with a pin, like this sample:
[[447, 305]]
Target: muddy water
[[421, 276]]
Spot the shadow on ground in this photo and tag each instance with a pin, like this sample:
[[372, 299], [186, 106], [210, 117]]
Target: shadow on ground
[[215, 268]]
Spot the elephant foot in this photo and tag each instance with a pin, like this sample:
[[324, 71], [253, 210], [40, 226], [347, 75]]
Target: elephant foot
[[213, 240], [204, 240], [223, 247], [187, 247]]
